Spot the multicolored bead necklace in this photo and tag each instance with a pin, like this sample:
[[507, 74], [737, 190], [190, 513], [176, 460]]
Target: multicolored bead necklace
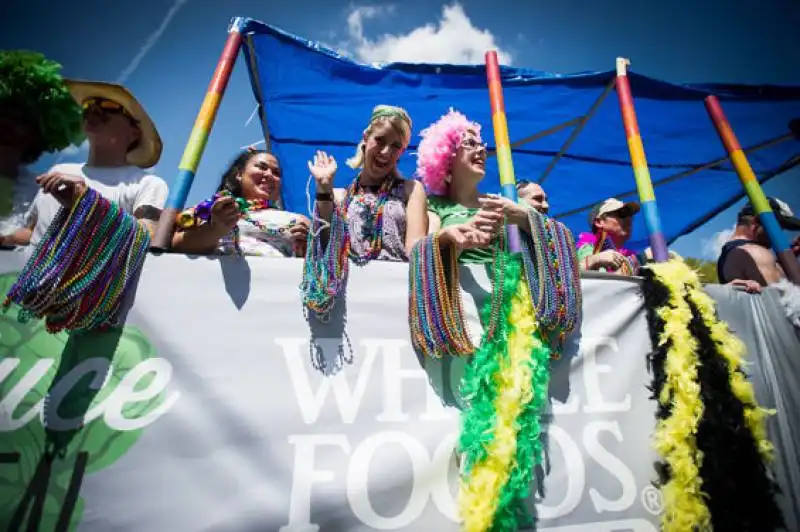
[[326, 267], [81, 271], [435, 308], [551, 267], [201, 213], [374, 219]]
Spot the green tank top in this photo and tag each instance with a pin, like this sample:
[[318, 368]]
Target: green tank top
[[452, 213]]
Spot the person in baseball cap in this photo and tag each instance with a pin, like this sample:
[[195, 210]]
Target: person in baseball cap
[[610, 222], [786, 218], [746, 256]]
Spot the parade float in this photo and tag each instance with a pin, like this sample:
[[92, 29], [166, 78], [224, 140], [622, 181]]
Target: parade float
[[197, 393]]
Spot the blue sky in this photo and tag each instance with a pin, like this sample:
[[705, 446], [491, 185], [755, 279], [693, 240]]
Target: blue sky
[[165, 52]]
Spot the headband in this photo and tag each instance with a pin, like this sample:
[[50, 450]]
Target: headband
[[390, 111]]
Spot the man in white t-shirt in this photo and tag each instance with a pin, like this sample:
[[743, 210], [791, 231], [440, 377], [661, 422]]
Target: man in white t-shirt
[[123, 142]]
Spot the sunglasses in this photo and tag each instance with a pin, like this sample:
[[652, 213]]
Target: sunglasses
[[107, 106]]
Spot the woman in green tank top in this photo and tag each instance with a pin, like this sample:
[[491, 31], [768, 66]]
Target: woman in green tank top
[[451, 163]]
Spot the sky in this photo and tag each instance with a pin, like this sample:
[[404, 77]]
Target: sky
[[165, 52]]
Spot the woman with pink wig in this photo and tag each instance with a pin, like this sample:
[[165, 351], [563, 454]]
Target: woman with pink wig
[[451, 162]]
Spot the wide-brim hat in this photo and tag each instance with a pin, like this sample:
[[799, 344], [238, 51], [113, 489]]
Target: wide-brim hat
[[147, 153]]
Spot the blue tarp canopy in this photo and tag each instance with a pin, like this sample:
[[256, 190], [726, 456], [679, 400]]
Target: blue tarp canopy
[[313, 98]]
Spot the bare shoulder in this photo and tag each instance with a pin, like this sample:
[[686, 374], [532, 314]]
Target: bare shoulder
[[760, 254], [413, 187]]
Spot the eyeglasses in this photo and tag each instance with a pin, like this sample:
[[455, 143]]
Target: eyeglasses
[[108, 106], [472, 144]]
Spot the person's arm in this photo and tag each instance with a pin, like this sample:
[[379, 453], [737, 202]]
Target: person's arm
[[149, 201], [323, 168], [22, 236], [434, 223], [199, 240], [204, 238], [416, 214]]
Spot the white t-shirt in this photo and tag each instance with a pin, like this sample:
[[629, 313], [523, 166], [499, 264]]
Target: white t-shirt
[[24, 189], [129, 186]]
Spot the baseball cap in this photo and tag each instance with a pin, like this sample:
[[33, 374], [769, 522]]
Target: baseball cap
[[612, 205], [783, 213]]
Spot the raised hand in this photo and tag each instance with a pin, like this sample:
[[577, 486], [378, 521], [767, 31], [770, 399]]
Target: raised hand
[[323, 168], [64, 188]]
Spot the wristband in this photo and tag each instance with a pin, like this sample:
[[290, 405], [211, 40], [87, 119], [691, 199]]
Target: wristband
[[324, 196]]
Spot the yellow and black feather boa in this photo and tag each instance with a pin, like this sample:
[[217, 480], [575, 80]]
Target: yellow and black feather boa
[[710, 432]]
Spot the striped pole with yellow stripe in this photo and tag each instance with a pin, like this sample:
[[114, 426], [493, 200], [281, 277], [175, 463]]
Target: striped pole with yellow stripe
[[179, 190], [761, 206], [641, 172], [508, 182]]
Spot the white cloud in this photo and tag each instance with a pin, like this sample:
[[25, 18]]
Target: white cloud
[[451, 40], [712, 246], [73, 152]]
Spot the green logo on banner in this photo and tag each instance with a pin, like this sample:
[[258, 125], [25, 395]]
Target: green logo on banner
[[70, 405]]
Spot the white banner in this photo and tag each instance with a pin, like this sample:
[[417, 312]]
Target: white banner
[[221, 407]]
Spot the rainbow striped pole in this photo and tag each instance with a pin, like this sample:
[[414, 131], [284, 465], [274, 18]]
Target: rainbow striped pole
[[196, 144], [641, 172], [780, 244], [508, 182]]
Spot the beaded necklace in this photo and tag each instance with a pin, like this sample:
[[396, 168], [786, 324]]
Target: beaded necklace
[[551, 267], [435, 306], [373, 228], [326, 267], [81, 271], [201, 213]]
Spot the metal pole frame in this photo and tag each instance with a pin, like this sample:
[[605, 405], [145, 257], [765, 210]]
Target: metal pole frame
[[761, 206], [195, 146]]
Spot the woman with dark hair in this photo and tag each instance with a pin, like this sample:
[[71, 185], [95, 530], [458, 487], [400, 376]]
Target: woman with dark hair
[[246, 214]]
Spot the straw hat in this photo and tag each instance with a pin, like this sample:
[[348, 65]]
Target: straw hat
[[147, 153]]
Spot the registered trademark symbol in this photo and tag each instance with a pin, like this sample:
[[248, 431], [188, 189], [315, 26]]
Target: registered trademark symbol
[[651, 500]]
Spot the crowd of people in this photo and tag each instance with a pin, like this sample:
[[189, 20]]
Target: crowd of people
[[385, 214]]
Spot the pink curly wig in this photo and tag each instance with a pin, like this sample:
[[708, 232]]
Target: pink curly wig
[[437, 148]]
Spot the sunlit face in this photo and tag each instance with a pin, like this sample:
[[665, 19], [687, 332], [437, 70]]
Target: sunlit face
[[469, 163], [536, 197], [106, 122], [261, 177], [614, 224], [382, 149]]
